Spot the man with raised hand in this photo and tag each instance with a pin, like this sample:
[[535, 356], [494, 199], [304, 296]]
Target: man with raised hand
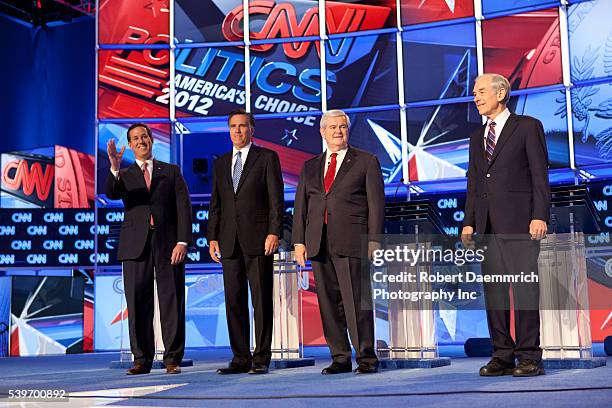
[[153, 242]]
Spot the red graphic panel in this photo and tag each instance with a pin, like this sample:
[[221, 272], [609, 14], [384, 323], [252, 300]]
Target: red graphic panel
[[134, 22], [600, 313], [74, 178], [133, 83], [531, 56], [425, 11]]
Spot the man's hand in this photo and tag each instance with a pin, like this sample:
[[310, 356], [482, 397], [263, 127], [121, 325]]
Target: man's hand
[[214, 251], [178, 254], [114, 156], [301, 255], [373, 246], [537, 229], [271, 244], [467, 237]]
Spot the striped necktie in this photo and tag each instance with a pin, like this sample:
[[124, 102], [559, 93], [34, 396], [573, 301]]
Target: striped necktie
[[490, 142]]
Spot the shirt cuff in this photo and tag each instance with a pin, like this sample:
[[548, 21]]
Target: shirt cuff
[[299, 245], [182, 243], [115, 173]]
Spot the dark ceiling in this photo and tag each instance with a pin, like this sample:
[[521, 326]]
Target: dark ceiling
[[42, 12]]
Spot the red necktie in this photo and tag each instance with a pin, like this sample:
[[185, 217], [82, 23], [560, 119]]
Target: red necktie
[[329, 176], [147, 178], [331, 172]]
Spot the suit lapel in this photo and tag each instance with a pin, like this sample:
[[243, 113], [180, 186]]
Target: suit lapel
[[481, 142], [506, 133], [347, 163], [320, 175], [158, 168], [250, 162], [138, 176]]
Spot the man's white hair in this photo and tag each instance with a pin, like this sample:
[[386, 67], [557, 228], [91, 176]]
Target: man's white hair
[[332, 114], [498, 82]]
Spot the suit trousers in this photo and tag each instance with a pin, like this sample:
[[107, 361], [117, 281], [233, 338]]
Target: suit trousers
[[511, 256], [344, 293], [138, 276], [239, 271]]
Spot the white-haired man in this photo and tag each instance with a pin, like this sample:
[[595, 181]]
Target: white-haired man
[[508, 199], [339, 201]]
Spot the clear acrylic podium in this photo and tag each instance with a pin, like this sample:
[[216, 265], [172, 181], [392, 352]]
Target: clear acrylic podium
[[287, 335], [565, 327], [412, 339]]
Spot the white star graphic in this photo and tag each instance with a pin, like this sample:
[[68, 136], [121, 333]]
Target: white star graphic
[[449, 3]]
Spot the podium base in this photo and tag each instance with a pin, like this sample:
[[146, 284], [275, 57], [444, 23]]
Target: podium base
[[292, 363], [573, 363], [399, 363], [187, 362]]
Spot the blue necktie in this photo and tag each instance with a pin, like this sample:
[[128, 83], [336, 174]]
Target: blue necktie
[[237, 171]]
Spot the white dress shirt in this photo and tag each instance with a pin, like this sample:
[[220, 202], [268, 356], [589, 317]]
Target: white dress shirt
[[500, 120]]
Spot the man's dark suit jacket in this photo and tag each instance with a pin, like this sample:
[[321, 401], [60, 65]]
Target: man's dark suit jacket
[[168, 201], [254, 211], [355, 204], [513, 189]]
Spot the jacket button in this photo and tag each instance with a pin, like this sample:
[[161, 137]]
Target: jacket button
[[488, 175]]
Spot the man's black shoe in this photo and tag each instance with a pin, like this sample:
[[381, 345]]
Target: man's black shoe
[[366, 368], [233, 369], [259, 369], [528, 368], [337, 368], [496, 367]]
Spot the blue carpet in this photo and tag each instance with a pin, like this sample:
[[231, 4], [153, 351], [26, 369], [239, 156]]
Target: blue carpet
[[457, 385]]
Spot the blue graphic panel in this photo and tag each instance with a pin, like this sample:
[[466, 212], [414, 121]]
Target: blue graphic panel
[[209, 81], [590, 41], [361, 71], [439, 62], [592, 121], [286, 77], [203, 21], [500, 6], [201, 147], [379, 133], [5, 313]]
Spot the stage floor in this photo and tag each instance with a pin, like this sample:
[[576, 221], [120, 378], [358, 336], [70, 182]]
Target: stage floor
[[91, 383]]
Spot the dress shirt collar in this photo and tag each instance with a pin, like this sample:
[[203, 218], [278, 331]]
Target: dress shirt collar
[[244, 151], [500, 120], [149, 164], [339, 158]]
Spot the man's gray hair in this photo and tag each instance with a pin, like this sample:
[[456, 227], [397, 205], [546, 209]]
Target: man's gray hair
[[332, 114], [498, 82]]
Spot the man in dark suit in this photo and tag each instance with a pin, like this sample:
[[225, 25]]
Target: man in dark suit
[[508, 199], [153, 243], [244, 226], [339, 202]]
